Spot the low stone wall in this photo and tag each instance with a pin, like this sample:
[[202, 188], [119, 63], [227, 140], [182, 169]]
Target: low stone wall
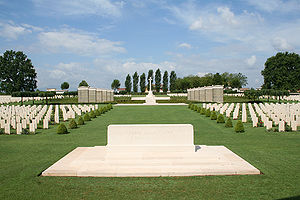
[[94, 95], [206, 94]]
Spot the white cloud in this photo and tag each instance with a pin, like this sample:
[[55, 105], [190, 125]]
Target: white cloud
[[227, 15], [144, 66], [201, 74], [185, 45], [280, 44], [57, 74], [79, 43], [245, 31], [33, 28], [251, 61], [12, 31], [197, 24], [105, 8], [218, 23], [276, 5]]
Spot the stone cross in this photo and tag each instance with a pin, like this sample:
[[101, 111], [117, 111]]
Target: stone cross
[[150, 85]]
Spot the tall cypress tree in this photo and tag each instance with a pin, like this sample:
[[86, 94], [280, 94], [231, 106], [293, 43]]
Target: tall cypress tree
[[173, 78], [157, 80], [150, 74], [135, 80], [128, 84], [143, 82], [165, 82]]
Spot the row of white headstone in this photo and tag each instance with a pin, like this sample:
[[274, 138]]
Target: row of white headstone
[[4, 99], [23, 117], [287, 98], [270, 114]]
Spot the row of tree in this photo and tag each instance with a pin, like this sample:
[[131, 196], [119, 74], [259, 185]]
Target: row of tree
[[141, 81], [233, 80], [255, 94]]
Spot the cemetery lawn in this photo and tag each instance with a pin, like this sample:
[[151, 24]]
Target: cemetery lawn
[[276, 155]]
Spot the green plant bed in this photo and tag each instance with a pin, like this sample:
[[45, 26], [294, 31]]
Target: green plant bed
[[66, 100], [233, 99], [24, 157]]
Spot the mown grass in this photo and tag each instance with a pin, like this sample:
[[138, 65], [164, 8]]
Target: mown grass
[[277, 155]]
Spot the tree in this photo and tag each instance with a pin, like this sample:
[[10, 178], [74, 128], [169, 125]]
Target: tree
[[135, 80], [150, 74], [217, 79], [128, 84], [115, 84], [165, 82], [282, 72], [238, 80], [83, 83], [143, 82], [17, 73], [253, 94], [173, 78], [182, 83], [157, 80], [64, 86]]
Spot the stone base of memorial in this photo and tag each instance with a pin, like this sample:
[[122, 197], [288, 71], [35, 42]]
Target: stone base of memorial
[[146, 150]]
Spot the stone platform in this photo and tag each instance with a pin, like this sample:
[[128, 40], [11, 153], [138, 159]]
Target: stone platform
[[150, 150], [157, 104], [101, 161]]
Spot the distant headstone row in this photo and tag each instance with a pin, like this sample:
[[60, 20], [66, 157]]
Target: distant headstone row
[[23, 117], [4, 99], [269, 114], [94, 95], [206, 94]]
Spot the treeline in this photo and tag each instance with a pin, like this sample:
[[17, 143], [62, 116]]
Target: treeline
[[174, 84], [233, 80], [255, 94], [139, 82], [42, 94], [46, 94]]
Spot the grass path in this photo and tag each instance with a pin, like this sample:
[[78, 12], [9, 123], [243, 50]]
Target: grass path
[[277, 155]]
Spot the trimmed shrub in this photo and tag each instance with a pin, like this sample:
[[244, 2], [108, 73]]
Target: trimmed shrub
[[62, 129], [92, 114], [239, 127], [110, 106], [220, 119], [192, 107], [189, 106], [199, 109], [207, 113], [72, 124], [213, 115], [202, 112], [195, 108], [86, 117], [80, 121], [228, 123], [97, 112], [25, 131]]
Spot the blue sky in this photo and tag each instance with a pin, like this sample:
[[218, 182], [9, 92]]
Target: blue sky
[[102, 40]]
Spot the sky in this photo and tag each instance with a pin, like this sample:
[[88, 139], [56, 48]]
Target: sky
[[102, 40]]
